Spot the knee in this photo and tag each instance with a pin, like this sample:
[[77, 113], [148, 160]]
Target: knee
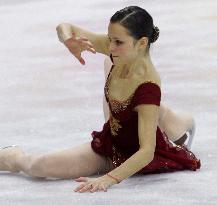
[[163, 114], [38, 167]]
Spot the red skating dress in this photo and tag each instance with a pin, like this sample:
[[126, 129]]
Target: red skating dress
[[118, 139]]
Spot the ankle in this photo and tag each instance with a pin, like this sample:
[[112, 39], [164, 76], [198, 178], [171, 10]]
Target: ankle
[[9, 159]]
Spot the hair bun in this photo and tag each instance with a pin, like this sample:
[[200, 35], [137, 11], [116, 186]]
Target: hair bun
[[155, 34]]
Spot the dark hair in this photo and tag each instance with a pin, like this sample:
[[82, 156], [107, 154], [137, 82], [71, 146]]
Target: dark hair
[[138, 22]]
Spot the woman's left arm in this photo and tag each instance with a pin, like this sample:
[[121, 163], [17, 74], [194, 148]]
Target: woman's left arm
[[147, 125]]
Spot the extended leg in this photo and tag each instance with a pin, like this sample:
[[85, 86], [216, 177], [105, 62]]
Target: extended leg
[[174, 124], [69, 163]]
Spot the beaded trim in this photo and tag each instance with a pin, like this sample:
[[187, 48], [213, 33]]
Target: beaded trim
[[114, 125], [120, 106], [117, 157], [116, 106]]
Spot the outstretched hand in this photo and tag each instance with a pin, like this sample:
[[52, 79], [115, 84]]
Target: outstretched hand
[[94, 184], [77, 45]]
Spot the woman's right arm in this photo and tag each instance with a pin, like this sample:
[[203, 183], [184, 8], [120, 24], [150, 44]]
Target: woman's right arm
[[100, 42]]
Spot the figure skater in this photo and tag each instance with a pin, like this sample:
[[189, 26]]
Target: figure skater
[[140, 135]]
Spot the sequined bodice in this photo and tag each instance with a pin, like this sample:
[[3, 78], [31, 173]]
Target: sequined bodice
[[119, 110], [115, 105]]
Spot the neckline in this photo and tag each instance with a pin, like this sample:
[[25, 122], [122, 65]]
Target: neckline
[[130, 96], [111, 58]]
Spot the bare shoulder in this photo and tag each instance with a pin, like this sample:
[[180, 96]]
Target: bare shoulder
[[143, 76], [152, 77]]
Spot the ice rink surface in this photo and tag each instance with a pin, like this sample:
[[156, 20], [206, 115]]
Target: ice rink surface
[[48, 101]]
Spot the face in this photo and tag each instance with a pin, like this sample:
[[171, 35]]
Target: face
[[121, 44]]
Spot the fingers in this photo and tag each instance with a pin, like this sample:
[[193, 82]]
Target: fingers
[[92, 50], [81, 60], [96, 188], [79, 187], [77, 45], [86, 188], [81, 39], [89, 187], [104, 188], [83, 187], [91, 46], [84, 38], [78, 56], [87, 45]]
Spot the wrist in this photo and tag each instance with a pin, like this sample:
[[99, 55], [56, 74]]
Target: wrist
[[109, 180], [64, 32], [113, 178], [64, 37]]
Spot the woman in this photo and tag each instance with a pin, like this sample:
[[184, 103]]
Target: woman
[[131, 141], [180, 128]]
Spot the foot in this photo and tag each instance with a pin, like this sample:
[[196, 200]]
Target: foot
[[8, 158], [181, 140], [187, 138]]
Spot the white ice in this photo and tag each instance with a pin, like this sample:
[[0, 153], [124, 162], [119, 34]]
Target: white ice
[[48, 101]]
